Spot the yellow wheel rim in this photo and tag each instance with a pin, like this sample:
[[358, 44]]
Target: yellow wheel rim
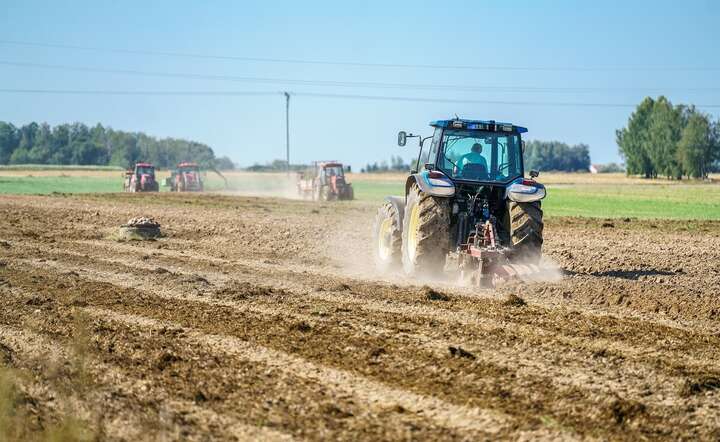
[[385, 240], [413, 228]]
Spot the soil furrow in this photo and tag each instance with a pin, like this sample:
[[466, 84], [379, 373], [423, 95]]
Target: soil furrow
[[29, 347], [234, 387], [625, 346], [574, 396]]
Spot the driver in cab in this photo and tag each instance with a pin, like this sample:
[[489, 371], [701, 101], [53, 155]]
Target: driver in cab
[[474, 157]]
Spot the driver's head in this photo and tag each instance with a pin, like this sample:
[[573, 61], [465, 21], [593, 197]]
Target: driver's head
[[477, 147]]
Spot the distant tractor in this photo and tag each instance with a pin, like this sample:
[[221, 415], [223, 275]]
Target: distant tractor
[[141, 179], [325, 181], [468, 209], [185, 178]]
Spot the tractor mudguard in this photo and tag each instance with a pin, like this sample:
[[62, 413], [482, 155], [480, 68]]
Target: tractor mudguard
[[399, 203], [435, 186], [522, 191]]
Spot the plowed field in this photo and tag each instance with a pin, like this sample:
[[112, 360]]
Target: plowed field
[[263, 319]]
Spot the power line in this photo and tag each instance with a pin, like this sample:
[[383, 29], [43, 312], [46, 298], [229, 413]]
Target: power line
[[350, 84], [136, 93], [362, 64], [322, 95], [464, 101]]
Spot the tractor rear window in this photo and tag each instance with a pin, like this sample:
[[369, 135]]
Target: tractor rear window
[[480, 156], [142, 170], [334, 171]]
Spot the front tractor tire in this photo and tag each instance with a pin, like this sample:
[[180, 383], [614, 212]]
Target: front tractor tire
[[387, 238], [425, 233], [526, 231]]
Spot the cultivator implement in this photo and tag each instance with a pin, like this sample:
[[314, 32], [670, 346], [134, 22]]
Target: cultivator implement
[[482, 262]]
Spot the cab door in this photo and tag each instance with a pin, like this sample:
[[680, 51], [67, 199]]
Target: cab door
[[429, 151]]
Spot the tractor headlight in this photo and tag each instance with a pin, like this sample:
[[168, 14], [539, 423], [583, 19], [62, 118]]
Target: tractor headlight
[[522, 193]]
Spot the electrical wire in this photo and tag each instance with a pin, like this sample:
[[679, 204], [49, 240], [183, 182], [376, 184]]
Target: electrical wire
[[323, 95], [362, 64], [353, 84]]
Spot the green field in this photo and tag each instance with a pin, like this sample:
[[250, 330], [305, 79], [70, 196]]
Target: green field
[[60, 184], [43, 185], [618, 199], [676, 201]]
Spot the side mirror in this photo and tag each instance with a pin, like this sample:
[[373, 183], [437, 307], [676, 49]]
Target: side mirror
[[402, 138], [534, 173], [522, 145]]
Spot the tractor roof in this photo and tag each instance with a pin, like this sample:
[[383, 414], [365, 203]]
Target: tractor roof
[[488, 125], [328, 164], [187, 164], [143, 165]]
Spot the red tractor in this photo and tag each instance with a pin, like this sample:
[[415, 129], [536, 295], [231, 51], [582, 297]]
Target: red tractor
[[141, 179], [325, 182], [185, 178]]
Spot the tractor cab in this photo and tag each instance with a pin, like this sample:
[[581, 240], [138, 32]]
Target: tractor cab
[[470, 155], [185, 178], [144, 169], [330, 172], [141, 179], [188, 168], [471, 150]]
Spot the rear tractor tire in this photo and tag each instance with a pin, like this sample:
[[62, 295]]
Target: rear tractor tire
[[425, 234], [526, 231], [387, 238]]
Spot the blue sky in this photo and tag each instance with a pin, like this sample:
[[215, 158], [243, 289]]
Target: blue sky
[[626, 37]]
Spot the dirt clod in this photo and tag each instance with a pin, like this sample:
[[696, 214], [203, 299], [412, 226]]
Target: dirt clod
[[460, 352], [336, 411], [696, 386], [376, 353], [622, 410], [302, 326], [200, 397], [166, 359], [342, 287], [434, 295], [513, 300], [37, 300]]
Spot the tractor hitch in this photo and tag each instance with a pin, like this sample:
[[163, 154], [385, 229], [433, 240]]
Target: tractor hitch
[[481, 262]]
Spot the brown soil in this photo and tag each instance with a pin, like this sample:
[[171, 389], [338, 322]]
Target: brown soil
[[262, 319]]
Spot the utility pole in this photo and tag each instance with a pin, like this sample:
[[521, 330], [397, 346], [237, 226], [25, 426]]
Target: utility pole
[[287, 131]]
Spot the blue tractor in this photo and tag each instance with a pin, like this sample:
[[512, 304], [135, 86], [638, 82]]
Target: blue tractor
[[468, 209]]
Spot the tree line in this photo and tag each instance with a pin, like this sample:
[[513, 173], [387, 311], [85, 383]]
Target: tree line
[[79, 144], [397, 164], [557, 156], [669, 141], [540, 155]]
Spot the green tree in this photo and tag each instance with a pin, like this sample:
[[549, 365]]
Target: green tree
[[9, 141], [224, 163], [696, 149], [634, 141], [555, 155], [666, 126]]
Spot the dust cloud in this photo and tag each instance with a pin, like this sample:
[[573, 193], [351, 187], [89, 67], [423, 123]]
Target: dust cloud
[[278, 185]]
